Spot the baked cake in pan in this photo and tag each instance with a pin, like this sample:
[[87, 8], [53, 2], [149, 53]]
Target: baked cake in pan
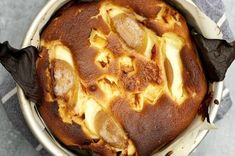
[[119, 76]]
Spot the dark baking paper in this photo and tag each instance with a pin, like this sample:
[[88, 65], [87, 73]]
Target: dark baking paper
[[216, 56], [21, 64]]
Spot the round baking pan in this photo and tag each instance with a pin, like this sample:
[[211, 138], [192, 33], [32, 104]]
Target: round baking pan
[[29, 109]]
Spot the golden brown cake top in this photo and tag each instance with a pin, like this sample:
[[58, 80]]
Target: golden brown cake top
[[119, 76]]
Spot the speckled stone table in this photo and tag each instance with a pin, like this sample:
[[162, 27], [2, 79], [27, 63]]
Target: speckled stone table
[[15, 19]]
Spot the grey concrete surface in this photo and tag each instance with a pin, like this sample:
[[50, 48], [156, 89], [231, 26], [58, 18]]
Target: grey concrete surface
[[15, 19]]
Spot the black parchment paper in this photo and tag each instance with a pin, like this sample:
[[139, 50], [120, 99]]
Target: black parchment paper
[[21, 64], [216, 56]]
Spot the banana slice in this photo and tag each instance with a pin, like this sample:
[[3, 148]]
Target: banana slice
[[110, 130], [63, 76], [129, 30]]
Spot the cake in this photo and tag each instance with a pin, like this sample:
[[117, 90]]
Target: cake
[[118, 77]]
